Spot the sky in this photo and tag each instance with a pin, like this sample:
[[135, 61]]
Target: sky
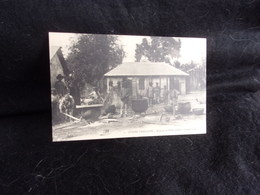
[[192, 49]]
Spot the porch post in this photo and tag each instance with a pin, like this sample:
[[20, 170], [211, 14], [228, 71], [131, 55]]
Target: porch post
[[108, 84], [168, 87]]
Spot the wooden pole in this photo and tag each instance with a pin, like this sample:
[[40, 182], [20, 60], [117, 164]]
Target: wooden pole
[[77, 119]]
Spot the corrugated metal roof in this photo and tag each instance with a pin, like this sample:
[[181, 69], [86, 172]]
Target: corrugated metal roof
[[145, 69], [53, 50]]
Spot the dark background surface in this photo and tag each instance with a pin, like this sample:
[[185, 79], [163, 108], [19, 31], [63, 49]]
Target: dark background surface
[[225, 161]]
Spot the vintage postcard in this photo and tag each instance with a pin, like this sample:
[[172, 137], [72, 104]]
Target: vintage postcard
[[118, 86]]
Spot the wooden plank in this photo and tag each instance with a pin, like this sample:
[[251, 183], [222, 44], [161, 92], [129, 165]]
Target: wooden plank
[[89, 106], [65, 125], [77, 119]]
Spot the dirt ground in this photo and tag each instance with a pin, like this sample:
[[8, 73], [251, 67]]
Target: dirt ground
[[155, 122]]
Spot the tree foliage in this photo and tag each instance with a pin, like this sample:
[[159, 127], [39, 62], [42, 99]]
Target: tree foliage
[[196, 71], [91, 56], [192, 66], [159, 49]]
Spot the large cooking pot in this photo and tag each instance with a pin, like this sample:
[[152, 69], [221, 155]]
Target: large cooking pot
[[139, 105], [184, 107], [198, 111]]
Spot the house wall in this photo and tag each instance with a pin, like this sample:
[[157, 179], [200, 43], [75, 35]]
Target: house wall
[[162, 81], [55, 69], [182, 85]]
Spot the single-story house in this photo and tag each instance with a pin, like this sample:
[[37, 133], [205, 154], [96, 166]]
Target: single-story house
[[57, 64], [142, 73]]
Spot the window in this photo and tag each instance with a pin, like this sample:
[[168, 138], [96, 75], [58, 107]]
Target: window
[[141, 84]]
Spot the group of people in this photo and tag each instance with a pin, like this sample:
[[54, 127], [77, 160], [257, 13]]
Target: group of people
[[153, 93], [63, 97], [156, 96], [122, 92], [168, 97]]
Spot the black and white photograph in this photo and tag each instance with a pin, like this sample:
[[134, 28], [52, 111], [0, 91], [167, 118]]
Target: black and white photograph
[[117, 86], [130, 97]]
